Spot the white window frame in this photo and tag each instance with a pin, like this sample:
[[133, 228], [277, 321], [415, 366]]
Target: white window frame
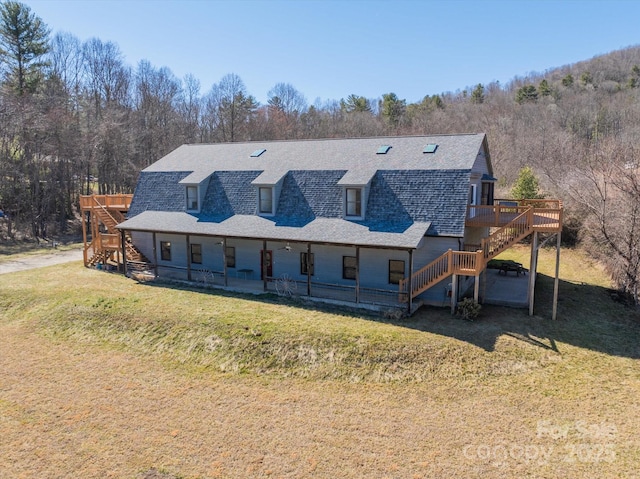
[[190, 198], [473, 195], [473, 199], [358, 201], [268, 192]]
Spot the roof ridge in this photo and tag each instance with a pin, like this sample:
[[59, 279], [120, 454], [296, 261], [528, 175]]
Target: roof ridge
[[351, 138]]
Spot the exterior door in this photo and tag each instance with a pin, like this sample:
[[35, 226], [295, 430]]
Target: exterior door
[[266, 262]]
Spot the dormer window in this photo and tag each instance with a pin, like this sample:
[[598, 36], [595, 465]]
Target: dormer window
[[192, 198], [353, 202], [265, 200]]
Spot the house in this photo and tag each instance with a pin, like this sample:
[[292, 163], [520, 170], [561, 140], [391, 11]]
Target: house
[[398, 221]]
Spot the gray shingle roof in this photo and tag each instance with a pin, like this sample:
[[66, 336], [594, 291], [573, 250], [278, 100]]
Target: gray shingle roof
[[318, 230], [410, 191], [454, 152]]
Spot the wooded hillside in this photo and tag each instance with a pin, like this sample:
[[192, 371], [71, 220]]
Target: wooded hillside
[[75, 118]]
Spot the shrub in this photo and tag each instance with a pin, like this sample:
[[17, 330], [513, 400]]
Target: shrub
[[468, 309]]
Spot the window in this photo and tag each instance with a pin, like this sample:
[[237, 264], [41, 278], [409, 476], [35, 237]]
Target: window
[[230, 255], [349, 265], [383, 150], [196, 253], [257, 153], [487, 193], [303, 263], [430, 148], [396, 271], [473, 198], [165, 250], [354, 202], [265, 200], [192, 198]]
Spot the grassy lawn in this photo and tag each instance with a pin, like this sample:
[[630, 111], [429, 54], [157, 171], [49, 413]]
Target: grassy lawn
[[104, 377]]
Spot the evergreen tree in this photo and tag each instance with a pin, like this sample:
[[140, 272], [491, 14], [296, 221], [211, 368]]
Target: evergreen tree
[[392, 109], [526, 185], [586, 79], [23, 41], [477, 95], [567, 81], [527, 93], [544, 88], [355, 103]]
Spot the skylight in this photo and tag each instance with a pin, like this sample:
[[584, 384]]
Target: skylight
[[257, 153], [383, 150], [430, 148]]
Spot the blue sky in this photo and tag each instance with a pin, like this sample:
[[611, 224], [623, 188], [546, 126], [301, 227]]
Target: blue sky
[[330, 49]]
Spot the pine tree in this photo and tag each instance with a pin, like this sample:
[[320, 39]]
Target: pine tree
[[23, 41], [526, 186], [544, 88], [477, 96], [527, 93], [567, 81]]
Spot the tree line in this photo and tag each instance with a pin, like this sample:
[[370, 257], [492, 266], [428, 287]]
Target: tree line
[[75, 118]]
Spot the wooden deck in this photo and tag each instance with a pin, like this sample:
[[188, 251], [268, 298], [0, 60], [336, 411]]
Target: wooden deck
[[547, 214], [119, 202], [512, 220]]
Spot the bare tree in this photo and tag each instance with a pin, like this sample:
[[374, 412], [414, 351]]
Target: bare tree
[[228, 109], [286, 104]]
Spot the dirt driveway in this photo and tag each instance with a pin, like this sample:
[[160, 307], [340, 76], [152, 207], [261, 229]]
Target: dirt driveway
[[24, 262]]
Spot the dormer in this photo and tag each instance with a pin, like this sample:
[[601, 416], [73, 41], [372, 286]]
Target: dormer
[[268, 187], [196, 185], [355, 193]]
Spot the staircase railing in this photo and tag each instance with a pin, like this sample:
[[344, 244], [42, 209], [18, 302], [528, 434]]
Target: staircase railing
[[501, 239], [450, 262], [470, 263]]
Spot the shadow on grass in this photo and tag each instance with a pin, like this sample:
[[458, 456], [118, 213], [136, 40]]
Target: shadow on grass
[[588, 317]]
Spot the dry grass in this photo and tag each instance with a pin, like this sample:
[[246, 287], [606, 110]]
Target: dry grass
[[14, 250], [109, 378]]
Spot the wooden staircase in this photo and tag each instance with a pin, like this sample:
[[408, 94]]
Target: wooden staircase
[[106, 212], [468, 263]]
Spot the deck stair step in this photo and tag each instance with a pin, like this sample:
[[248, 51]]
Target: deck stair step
[[469, 263]]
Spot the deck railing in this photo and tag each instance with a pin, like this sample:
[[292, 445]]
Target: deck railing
[[120, 201], [109, 241], [547, 214]]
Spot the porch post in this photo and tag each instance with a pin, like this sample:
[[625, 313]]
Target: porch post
[[264, 265], [532, 272], [188, 258], [155, 255], [555, 283], [124, 254], [476, 289], [224, 259], [409, 283], [309, 269], [84, 236], [357, 274], [454, 293]]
